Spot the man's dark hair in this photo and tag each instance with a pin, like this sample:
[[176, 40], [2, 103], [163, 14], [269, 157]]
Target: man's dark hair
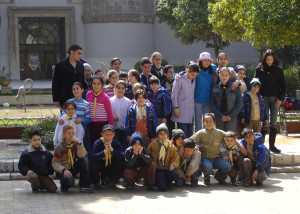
[[34, 132], [145, 60], [139, 92], [167, 67], [123, 74], [74, 48], [153, 80], [212, 115], [189, 143]]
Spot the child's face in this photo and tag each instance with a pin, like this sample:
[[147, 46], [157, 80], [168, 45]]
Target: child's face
[[136, 147], [97, 86], [77, 91], [146, 68], [87, 73], [230, 141], [162, 136], [170, 74], [154, 87], [70, 110], [68, 135], [113, 79], [222, 61], [120, 90], [269, 60], [35, 141], [123, 78], [255, 89], [101, 74], [179, 142], [141, 100], [241, 74], [224, 76], [157, 61], [249, 138], [209, 123], [131, 78], [192, 75], [117, 65], [108, 135], [206, 63], [188, 152]]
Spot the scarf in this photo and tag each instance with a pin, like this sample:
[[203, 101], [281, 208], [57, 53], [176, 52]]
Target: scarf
[[67, 117], [95, 101], [162, 152], [70, 156], [107, 155], [184, 162], [113, 87], [230, 154]]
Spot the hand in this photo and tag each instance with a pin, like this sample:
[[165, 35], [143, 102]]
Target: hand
[[136, 152], [163, 120], [56, 104], [235, 84], [29, 172], [116, 118], [244, 151], [60, 121], [78, 120], [187, 178], [224, 119], [75, 139], [67, 174], [105, 148], [278, 103], [254, 175], [225, 158], [171, 168], [177, 77], [110, 147], [243, 121], [177, 114], [228, 118], [141, 150], [267, 123]]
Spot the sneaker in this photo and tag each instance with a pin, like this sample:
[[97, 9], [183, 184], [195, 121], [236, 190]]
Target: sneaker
[[110, 184], [129, 187], [152, 187], [239, 182], [86, 190], [35, 190]]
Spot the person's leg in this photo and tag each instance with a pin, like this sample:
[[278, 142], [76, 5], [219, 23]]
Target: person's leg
[[115, 170], [180, 182], [220, 124], [130, 176], [194, 178], [273, 126], [183, 127], [247, 167], [95, 167], [148, 173], [65, 182], [171, 176], [82, 165], [231, 125], [207, 169], [35, 182], [261, 177], [240, 161], [267, 103], [233, 172], [47, 183], [223, 167], [198, 116], [160, 179], [189, 129], [86, 139], [256, 124]]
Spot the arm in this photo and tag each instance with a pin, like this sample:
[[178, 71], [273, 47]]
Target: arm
[[145, 156], [23, 164], [87, 118], [167, 105], [130, 158], [107, 105], [81, 152], [80, 132], [263, 158], [56, 162], [223, 150], [213, 105], [98, 150], [195, 163], [282, 84], [118, 150], [56, 135], [127, 124], [49, 164], [175, 92], [238, 104], [174, 158]]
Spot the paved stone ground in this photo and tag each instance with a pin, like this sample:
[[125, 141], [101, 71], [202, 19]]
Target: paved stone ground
[[280, 194]]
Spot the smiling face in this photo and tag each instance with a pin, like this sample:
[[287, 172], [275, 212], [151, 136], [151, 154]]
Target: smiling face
[[120, 90], [208, 122], [157, 61], [87, 72], [70, 110], [146, 68], [230, 141], [179, 142], [35, 140], [97, 86], [77, 91], [249, 138], [113, 79], [141, 100], [108, 135], [169, 74], [222, 61]]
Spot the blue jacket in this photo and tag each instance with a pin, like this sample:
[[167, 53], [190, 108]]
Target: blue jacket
[[144, 79], [160, 101], [98, 150], [36, 161], [246, 108], [130, 121], [234, 101], [261, 153]]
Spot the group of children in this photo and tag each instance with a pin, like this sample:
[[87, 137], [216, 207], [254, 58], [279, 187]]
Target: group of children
[[122, 128]]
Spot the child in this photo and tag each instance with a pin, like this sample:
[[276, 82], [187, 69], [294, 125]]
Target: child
[[183, 100], [100, 109], [107, 158], [244, 79], [140, 86], [120, 106], [164, 155], [100, 73], [69, 119], [35, 164], [177, 140], [133, 78], [258, 162], [123, 76], [139, 164], [159, 98], [189, 164], [112, 77], [226, 103], [116, 64], [87, 73], [253, 111], [232, 151], [156, 68], [210, 139], [141, 118], [146, 69], [222, 60], [69, 159]]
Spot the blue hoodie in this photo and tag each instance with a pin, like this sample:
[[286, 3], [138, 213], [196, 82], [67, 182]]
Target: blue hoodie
[[160, 101]]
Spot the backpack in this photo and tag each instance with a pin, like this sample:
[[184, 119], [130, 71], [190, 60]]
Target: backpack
[[291, 103]]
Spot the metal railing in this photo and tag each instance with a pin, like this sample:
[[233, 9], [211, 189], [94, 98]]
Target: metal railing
[[22, 122]]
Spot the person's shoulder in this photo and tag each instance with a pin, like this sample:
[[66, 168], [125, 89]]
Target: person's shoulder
[[25, 152], [63, 61], [59, 147]]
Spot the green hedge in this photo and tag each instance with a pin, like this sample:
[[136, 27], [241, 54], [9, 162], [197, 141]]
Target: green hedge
[[292, 79]]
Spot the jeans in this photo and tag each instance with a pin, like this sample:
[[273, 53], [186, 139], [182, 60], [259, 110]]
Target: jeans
[[164, 178], [200, 110], [208, 164], [194, 179], [226, 126], [187, 128], [270, 106]]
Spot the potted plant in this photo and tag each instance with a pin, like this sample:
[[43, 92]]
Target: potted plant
[[4, 77]]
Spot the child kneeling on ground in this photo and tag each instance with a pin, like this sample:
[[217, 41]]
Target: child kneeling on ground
[[35, 163], [139, 164], [164, 155], [258, 162], [189, 164], [69, 159]]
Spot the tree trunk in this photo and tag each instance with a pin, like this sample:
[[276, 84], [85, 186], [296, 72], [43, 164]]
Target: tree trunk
[[260, 54], [216, 47]]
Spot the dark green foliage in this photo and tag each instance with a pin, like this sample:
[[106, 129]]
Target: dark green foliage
[[292, 79]]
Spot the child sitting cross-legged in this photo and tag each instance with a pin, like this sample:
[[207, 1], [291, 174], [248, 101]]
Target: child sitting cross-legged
[[139, 164], [35, 164], [189, 164], [164, 155], [69, 159]]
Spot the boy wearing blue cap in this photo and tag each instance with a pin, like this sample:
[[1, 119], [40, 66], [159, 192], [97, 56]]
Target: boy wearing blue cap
[[139, 164]]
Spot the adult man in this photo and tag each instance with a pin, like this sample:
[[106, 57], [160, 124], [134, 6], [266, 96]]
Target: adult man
[[67, 71]]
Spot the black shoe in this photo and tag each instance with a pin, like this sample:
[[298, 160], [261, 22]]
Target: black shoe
[[63, 189], [110, 184], [129, 187], [239, 182], [248, 183], [232, 181], [35, 190], [275, 150], [97, 186], [222, 182], [152, 187], [86, 190], [258, 183], [207, 182]]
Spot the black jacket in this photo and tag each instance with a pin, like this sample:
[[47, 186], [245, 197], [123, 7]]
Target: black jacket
[[136, 161], [98, 150], [36, 161], [64, 77], [272, 82]]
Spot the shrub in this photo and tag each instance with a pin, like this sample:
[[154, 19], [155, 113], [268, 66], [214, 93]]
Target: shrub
[[137, 65], [292, 79]]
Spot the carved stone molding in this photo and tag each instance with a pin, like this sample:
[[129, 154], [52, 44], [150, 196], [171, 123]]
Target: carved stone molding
[[7, 1]]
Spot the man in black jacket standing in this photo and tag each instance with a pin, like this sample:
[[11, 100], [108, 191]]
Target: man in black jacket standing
[[67, 71]]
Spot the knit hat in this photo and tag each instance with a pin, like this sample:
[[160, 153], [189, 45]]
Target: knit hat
[[239, 67], [255, 81], [108, 127], [136, 137], [87, 65], [162, 127], [177, 133], [205, 55]]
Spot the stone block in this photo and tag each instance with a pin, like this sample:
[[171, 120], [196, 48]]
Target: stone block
[[6, 166], [16, 162], [282, 159], [4, 176], [17, 176], [296, 159], [6, 90]]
